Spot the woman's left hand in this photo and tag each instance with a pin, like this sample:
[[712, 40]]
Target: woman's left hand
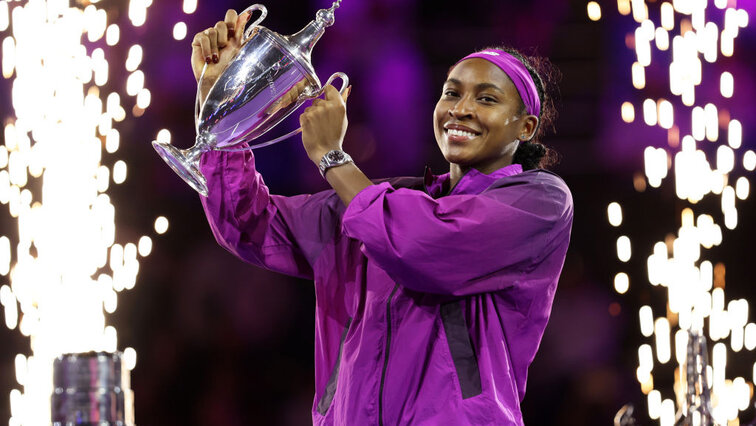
[[324, 124]]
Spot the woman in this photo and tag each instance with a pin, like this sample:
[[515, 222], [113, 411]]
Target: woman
[[432, 294]]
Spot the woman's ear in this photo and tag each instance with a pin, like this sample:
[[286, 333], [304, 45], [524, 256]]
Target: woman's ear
[[529, 127]]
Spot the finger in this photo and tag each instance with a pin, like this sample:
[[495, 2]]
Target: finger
[[212, 36], [346, 94], [222, 29], [202, 43], [230, 21], [317, 101], [331, 93], [241, 22]]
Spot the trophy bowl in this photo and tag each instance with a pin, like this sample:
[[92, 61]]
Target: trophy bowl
[[269, 78]]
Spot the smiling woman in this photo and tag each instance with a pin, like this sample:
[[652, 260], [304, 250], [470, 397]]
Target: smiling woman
[[432, 294]]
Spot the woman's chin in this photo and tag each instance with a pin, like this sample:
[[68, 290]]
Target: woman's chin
[[457, 158]]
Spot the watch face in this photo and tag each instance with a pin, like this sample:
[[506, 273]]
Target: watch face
[[335, 156]]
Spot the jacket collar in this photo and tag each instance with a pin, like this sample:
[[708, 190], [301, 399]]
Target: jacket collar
[[473, 182]]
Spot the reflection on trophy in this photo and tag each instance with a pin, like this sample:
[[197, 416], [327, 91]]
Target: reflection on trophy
[[270, 78]]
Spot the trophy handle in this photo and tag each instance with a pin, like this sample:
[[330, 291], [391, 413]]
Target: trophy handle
[[247, 34], [344, 85], [263, 14]]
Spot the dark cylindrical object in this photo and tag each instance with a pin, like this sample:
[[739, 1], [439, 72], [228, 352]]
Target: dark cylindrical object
[[91, 389]]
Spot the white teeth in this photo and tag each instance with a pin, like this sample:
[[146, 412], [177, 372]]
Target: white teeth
[[455, 132]]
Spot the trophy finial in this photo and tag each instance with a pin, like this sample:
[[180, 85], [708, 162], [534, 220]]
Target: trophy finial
[[325, 16]]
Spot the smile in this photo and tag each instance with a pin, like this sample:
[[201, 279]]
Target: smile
[[455, 132]]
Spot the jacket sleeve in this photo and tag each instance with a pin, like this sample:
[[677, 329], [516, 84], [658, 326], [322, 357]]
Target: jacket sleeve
[[283, 234], [461, 244]]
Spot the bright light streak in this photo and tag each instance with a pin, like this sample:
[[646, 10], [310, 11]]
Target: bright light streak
[[711, 118], [742, 15], [719, 363], [4, 15], [179, 31], [727, 44], [750, 337], [594, 10], [654, 403], [623, 6], [681, 345], [614, 212], [662, 38], [749, 160], [8, 57], [725, 159], [666, 114], [190, 6], [145, 246], [667, 415], [119, 172], [138, 11], [655, 162], [112, 141], [161, 225], [649, 112], [3, 156], [627, 112], [21, 369], [645, 357], [144, 98], [621, 283], [726, 84], [623, 248], [134, 57], [667, 16], [113, 34], [742, 187], [734, 134], [130, 358], [164, 136], [639, 76], [728, 199], [661, 332], [135, 83], [646, 321], [640, 10]]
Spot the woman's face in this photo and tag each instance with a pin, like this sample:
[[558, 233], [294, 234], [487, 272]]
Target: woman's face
[[478, 120]]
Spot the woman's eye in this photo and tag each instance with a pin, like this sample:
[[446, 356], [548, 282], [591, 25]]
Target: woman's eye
[[487, 99], [450, 93]]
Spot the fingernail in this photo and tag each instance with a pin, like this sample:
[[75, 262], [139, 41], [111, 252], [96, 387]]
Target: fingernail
[[215, 58], [249, 15], [208, 59]]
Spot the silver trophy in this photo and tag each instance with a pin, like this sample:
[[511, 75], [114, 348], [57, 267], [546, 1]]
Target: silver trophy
[[269, 78], [92, 389]]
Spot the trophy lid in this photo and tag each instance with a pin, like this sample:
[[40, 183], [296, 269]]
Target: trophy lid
[[301, 43]]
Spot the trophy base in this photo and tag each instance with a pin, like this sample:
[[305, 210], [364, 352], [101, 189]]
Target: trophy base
[[178, 160]]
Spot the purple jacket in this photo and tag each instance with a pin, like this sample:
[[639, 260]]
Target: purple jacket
[[429, 308]]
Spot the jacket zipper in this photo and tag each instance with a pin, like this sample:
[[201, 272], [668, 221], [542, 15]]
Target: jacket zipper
[[386, 356]]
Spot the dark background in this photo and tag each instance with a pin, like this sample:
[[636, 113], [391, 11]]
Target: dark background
[[222, 342]]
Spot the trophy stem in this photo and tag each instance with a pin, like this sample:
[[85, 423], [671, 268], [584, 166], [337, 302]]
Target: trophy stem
[[185, 162]]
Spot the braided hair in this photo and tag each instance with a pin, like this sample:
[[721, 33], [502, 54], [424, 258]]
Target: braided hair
[[532, 154]]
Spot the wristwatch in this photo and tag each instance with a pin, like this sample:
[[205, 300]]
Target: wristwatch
[[333, 158]]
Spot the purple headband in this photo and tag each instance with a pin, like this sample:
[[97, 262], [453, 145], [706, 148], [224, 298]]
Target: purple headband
[[516, 72]]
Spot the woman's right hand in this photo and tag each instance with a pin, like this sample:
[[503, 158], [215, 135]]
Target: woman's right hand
[[217, 46]]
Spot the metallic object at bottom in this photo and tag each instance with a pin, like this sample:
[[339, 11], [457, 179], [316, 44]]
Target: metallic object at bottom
[[92, 389]]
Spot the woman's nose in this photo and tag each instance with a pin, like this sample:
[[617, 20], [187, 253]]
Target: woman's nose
[[462, 108]]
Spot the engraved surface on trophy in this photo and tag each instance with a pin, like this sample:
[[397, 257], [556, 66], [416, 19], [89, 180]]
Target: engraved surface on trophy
[[269, 78]]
